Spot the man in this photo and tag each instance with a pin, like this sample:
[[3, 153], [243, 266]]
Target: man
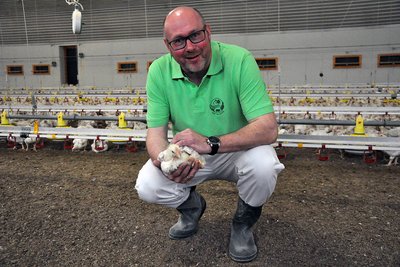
[[215, 99]]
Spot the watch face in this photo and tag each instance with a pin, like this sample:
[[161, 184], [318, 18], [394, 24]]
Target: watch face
[[213, 139]]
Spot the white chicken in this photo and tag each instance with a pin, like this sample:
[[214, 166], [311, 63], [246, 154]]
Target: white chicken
[[31, 140], [15, 141], [175, 155], [138, 125], [393, 157], [79, 144], [394, 132]]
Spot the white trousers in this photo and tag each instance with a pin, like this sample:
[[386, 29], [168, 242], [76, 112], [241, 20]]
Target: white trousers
[[254, 171]]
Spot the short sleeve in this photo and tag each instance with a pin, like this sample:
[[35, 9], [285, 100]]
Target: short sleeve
[[254, 98], [157, 102]]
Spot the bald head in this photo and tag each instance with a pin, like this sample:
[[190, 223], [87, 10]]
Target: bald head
[[182, 15]]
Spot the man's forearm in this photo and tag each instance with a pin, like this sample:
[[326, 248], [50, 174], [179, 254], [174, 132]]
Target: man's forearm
[[156, 141], [262, 131]]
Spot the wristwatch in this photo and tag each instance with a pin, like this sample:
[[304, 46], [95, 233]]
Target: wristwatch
[[214, 143]]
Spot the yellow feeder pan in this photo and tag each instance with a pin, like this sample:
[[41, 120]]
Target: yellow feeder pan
[[359, 130], [122, 124], [60, 120], [4, 120], [61, 123]]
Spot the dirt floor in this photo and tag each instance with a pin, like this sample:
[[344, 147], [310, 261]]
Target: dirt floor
[[60, 208]]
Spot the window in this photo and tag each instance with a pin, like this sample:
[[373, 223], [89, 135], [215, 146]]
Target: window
[[347, 61], [41, 69], [389, 60], [148, 64], [124, 67], [15, 70], [267, 63]]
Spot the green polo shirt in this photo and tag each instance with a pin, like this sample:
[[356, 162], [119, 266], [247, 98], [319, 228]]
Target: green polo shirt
[[230, 94]]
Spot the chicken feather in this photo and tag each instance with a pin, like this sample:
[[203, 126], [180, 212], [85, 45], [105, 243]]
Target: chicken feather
[[175, 155]]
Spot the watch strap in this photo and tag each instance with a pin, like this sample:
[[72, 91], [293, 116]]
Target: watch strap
[[214, 143], [214, 149]]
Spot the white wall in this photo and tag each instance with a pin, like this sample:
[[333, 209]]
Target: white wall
[[27, 56], [302, 57]]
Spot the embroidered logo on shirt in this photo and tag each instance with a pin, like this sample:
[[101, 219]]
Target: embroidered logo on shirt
[[217, 106]]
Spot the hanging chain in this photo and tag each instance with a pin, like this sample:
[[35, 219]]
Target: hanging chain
[[75, 3]]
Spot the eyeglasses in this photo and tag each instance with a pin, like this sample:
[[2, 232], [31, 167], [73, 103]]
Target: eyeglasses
[[195, 38]]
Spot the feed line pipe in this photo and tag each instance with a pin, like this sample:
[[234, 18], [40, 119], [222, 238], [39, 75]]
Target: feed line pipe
[[280, 121], [339, 122], [74, 117]]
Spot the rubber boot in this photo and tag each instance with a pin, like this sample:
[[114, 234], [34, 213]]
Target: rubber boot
[[242, 247], [190, 213]]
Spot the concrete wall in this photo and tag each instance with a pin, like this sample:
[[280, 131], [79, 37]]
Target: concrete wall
[[302, 56]]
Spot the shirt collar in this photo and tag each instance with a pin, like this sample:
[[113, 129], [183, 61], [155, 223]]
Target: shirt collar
[[215, 65]]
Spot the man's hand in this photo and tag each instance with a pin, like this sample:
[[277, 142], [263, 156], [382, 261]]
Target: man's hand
[[157, 163], [192, 139], [171, 158], [185, 172]]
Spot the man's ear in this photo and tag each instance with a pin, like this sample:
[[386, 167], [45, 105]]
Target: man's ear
[[208, 29]]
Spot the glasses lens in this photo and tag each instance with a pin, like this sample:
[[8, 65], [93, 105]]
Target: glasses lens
[[178, 44], [197, 37]]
